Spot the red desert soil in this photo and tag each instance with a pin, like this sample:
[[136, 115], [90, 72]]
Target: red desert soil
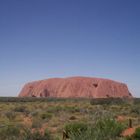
[[122, 118], [27, 121], [75, 87], [129, 131], [42, 129]]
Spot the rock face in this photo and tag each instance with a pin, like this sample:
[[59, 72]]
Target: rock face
[[75, 87]]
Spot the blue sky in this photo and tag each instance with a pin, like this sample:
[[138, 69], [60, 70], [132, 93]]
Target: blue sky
[[41, 39]]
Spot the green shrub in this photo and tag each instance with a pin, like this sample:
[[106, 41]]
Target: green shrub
[[20, 109], [10, 115], [135, 109], [105, 129], [36, 123], [110, 101], [108, 128], [34, 113], [137, 134], [75, 127], [37, 136], [54, 109], [71, 109], [46, 116], [47, 135], [9, 132]]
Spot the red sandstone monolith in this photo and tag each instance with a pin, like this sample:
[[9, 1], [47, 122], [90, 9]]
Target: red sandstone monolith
[[75, 87]]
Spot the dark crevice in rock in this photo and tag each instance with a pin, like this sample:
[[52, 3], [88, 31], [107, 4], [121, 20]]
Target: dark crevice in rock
[[95, 85]]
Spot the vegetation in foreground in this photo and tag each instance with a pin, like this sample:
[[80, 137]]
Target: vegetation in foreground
[[78, 119]]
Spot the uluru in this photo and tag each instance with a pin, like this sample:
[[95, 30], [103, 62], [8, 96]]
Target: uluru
[[75, 87]]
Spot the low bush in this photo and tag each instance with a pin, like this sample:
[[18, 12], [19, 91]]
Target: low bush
[[135, 109], [10, 115], [9, 132], [13, 132], [110, 101], [55, 109], [137, 133], [36, 123], [108, 128], [46, 115], [34, 113], [75, 127], [105, 129], [20, 109], [36, 135]]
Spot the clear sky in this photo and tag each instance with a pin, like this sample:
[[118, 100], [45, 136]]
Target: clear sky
[[41, 39]]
